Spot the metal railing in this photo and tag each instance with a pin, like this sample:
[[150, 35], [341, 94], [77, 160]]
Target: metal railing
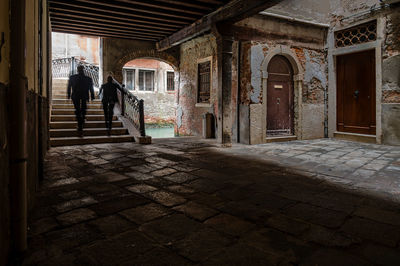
[[132, 108], [65, 67]]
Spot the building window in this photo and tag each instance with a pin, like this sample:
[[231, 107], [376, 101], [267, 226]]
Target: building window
[[204, 82], [129, 79], [356, 35], [170, 81], [146, 80]]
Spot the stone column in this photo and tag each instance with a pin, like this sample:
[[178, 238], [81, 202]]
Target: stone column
[[224, 44]]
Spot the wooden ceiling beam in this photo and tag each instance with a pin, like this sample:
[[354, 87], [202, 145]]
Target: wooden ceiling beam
[[84, 30], [105, 28], [77, 32], [230, 13], [188, 4], [161, 6], [112, 19], [124, 16], [111, 24], [123, 9]]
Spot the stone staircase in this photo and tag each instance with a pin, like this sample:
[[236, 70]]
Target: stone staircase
[[63, 125]]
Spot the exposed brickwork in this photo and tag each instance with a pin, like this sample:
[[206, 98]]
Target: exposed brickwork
[[190, 120]]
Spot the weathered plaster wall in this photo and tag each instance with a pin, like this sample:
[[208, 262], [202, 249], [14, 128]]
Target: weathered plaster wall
[[306, 46], [314, 11], [391, 79], [82, 47], [189, 116]]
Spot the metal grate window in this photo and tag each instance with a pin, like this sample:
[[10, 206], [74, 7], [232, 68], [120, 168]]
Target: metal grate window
[[146, 80], [356, 35], [170, 81], [204, 76], [129, 79]]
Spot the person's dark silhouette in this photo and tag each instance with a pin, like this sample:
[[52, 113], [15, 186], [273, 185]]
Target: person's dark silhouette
[[109, 98], [80, 85]]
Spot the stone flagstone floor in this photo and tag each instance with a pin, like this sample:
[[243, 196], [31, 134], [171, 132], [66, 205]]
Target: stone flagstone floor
[[185, 201]]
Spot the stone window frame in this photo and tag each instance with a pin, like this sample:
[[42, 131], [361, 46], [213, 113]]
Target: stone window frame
[[166, 81], [154, 80], [124, 70], [199, 61]]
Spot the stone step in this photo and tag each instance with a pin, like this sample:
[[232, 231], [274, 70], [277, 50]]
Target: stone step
[[71, 106], [88, 124], [69, 101], [89, 140], [72, 112], [59, 118], [86, 132], [59, 96]]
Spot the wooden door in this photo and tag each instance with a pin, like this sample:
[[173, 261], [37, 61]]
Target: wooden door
[[279, 97], [356, 93]]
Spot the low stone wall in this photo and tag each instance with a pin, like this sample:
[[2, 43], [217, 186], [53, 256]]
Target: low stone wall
[[158, 107]]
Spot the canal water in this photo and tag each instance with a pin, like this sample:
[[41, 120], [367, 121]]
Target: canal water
[[160, 132]]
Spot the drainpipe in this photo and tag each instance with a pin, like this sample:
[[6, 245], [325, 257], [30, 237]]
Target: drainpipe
[[17, 128]]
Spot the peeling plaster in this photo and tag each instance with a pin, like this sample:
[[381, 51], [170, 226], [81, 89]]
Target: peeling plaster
[[257, 57], [179, 114], [314, 69]]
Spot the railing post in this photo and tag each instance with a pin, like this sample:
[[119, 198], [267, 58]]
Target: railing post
[[123, 100], [72, 65], [141, 118]]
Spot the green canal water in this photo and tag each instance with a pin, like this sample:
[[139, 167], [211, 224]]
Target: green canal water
[[160, 132]]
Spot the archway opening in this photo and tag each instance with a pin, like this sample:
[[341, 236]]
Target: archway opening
[[153, 81], [280, 97]]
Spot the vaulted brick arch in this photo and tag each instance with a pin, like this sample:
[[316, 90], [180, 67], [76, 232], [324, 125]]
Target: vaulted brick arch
[[149, 54]]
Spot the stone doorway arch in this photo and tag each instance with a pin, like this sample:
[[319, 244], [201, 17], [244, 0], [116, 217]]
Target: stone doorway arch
[[298, 77]]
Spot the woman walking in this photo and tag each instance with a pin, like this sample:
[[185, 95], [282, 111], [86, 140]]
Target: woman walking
[[109, 98]]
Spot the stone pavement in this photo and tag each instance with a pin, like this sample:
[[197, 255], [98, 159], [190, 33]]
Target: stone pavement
[[186, 201]]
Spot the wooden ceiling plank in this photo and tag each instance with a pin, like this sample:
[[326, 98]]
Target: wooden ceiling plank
[[170, 7], [120, 8], [106, 18], [58, 23], [84, 31], [94, 10], [108, 24], [60, 30], [188, 4]]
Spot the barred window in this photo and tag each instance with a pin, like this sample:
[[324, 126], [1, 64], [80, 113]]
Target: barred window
[[170, 81], [129, 78], [204, 76], [356, 35], [146, 80]]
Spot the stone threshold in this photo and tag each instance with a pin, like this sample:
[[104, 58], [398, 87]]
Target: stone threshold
[[280, 138], [355, 137]]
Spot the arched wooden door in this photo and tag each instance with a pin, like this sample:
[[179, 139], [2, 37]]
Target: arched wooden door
[[279, 97]]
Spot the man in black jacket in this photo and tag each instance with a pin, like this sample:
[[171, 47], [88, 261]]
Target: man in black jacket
[[80, 85], [109, 98]]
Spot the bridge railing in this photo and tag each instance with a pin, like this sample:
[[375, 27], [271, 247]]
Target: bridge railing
[[65, 67], [132, 108]]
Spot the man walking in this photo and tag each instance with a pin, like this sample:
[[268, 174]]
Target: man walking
[[80, 85], [110, 97]]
